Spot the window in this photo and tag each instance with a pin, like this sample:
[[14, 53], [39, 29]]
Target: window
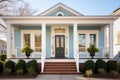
[[118, 37], [86, 38], [38, 42], [82, 42], [27, 39], [33, 39], [93, 39], [60, 14]]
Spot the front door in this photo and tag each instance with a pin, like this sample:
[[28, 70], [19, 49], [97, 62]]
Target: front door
[[59, 46]]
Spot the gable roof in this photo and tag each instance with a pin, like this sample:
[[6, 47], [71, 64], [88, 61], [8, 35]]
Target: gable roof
[[116, 12], [60, 5]]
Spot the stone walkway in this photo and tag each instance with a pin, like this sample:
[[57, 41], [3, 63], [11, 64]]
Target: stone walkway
[[61, 77]]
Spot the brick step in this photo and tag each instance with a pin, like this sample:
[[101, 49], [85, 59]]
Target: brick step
[[60, 64], [60, 73], [60, 67]]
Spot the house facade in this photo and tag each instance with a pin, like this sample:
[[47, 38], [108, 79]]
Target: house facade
[[117, 35], [59, 34]]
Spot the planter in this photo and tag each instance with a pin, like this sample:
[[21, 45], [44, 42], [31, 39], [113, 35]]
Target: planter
[[92, 55], [27, 55], [27, 50]]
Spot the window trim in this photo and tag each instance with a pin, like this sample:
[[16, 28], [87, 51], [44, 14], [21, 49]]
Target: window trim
[[87, 33]]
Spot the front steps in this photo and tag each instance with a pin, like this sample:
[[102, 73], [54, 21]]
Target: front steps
[[60, 68]]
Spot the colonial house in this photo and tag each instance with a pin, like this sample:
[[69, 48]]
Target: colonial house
[[117, 35], [59, 34]]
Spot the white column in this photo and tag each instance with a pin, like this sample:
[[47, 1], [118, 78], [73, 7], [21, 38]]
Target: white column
[[75, 39], [43, 55], [43, 38], [9, 41], [111, 41], [13, 38]]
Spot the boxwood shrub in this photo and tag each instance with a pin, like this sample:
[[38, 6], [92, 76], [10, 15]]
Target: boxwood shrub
[[31, 70], [3, 57], [112, 65], [32, 63], [1, 67], [11, 65], [7, 71], [19, 71], [21, 64], [89, 65], [119, 67], [101, 64]]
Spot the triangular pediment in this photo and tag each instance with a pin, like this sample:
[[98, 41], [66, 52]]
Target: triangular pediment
[[60, 9]]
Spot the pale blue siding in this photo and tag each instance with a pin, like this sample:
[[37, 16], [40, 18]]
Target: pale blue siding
[[88, 28], [101, 43], [66, 13], [30, 27], [70, 42], [17, 38], [48, 42], [18, 42]]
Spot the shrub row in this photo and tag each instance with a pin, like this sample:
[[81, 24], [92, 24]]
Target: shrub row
[[20, 67], [3, 57], [101, 67]]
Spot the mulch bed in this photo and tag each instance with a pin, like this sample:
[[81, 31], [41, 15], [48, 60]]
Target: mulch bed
[[17, 76], [107, 75]]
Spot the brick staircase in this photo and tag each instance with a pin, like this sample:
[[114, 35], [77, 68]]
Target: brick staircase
[[60, 68]]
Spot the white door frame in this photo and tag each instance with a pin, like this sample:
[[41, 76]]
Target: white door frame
[[66, 27]]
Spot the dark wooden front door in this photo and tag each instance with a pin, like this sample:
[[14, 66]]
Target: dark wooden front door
[[59, 46]]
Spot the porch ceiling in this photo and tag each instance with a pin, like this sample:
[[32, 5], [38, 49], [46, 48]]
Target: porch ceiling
[[27, 25], [60, 24]]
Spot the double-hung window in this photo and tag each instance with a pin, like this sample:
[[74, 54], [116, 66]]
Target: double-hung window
[[33, 39], [86, 38]]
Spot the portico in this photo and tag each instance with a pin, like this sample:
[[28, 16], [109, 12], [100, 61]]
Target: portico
[[65, 36]]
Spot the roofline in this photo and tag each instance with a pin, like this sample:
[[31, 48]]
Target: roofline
[[116, 10], [60, 4], [37, 17]]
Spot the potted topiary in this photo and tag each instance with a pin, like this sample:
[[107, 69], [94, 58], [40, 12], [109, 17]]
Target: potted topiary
[[27, 50], [92, 50]]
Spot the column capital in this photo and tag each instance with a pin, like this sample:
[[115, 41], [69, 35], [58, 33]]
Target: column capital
[[111, 24], [43, 23], [75, 23]]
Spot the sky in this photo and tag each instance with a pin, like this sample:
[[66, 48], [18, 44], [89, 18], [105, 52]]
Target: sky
[[86, 7]]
